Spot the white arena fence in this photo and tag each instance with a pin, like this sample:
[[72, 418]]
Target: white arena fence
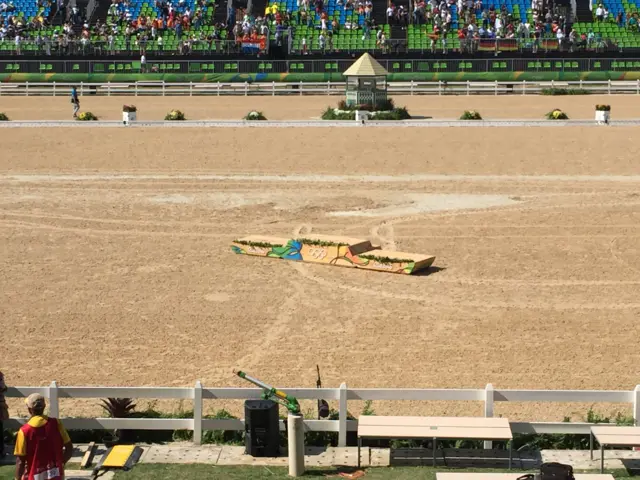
[[161, 88], [489, 396]]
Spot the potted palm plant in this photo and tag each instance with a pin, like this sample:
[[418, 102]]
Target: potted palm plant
[[117, 408]]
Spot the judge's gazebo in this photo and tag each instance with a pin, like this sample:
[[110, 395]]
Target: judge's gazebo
[[366, 82]]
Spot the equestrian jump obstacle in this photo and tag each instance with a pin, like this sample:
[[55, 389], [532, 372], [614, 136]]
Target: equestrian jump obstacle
[[333, 250]]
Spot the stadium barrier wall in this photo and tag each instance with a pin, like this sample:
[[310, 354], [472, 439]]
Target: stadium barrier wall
[[318, 77], [413, 87], [489, 396], [317, 65]]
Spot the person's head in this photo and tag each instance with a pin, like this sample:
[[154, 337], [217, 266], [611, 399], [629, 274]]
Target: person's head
[[35, 404]]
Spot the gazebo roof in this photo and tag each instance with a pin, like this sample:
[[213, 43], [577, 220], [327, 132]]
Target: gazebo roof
[[365, 66]]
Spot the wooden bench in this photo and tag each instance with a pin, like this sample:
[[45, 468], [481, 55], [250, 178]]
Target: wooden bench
[[411, 428], [614, 437], [509, 476]]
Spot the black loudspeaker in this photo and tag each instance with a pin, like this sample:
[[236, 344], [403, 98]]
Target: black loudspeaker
[[261, 428]]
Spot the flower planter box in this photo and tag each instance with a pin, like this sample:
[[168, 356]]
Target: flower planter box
[[407, 263], [602, 116], [333, 250], [128, 117], [259, 245]]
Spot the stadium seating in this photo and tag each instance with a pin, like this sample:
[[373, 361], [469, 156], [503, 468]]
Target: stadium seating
[[345, 39], [26, 9]]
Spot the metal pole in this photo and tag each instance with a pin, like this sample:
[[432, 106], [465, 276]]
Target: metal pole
[[295, 432]]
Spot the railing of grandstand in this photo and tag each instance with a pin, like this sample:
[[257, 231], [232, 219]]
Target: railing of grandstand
[[489, 396], [94, 48], [329, 65]]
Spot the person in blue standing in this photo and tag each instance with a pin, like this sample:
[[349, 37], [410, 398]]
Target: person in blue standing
[[75, 101]]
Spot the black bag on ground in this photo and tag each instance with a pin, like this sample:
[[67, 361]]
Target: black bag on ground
[[556, 471]]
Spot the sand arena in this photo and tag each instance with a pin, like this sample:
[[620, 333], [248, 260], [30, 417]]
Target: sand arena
[[115, 251]]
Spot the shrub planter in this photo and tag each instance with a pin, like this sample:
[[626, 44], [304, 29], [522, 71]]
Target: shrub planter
[[129, 114], [603, 114]]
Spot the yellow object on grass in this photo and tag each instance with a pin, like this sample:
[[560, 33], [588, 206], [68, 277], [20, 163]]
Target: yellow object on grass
[[118, 456]]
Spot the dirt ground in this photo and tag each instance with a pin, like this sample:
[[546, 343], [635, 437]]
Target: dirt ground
[[116, 265]]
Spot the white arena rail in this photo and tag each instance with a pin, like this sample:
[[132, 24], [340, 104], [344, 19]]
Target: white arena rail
[[198, 393], [162, 88]]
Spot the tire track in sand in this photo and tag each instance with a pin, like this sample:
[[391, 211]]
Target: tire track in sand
[[306, 272]]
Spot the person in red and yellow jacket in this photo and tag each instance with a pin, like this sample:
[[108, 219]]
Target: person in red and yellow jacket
[[43, 446]]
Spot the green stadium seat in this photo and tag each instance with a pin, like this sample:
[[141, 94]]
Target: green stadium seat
[[112, 67], [423, 67], [43, 67], [176, 67], [8, 67], [75, 68], [194, 68], [597, 65], [301, 67], [408, 67], [97, 68], [396, 67]]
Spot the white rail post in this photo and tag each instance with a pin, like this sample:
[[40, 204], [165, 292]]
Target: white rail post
[[524, 87], [468, 88], [300, 87], [218, 88], [342, 416], [246, 89], [54, 88], [609, 83], [295, 441], [54, 404], [412, 88], [273, 89], [191, 89], [637, 87], [488, 409], [329, 88], [636, 405], [197, 413], [496, 88]]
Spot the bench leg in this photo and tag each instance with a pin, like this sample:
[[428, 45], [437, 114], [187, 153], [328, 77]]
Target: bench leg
[[601, 458], [434, 451], [510, 453], [359, 447]]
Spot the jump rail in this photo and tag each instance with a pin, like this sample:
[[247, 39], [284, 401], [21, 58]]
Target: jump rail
[[342, 395], [161, 88]]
